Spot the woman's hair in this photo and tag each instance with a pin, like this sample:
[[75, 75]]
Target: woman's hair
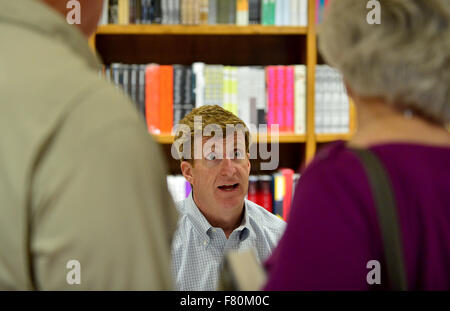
[[212, 116], [405, 59]]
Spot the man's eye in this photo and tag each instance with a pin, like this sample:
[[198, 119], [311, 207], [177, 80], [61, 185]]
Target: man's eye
[[211, 157], [238, 154]]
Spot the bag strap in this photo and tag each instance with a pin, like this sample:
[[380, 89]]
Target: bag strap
[[387, 217]]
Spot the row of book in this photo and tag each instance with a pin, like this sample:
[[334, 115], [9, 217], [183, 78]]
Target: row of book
[[273, 192], [270, 95], [196, 12], [332, 105], [258, 95]]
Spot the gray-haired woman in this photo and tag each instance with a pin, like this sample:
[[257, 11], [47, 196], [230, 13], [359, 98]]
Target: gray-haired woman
[[398, 74]]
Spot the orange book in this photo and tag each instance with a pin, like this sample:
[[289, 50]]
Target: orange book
[[166, 98], [152, 98], [288, 175]]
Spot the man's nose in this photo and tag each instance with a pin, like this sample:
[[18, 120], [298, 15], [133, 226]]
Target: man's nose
[[227, 167]]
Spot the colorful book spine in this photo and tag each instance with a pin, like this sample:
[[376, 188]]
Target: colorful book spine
[[280, 103], [289, 87], [166, 99], [271, 95], [152, 98], [242, 12], [300, 99]]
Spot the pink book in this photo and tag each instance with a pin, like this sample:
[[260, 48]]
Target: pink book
[[289, 87], [270, 82], [280, 103]]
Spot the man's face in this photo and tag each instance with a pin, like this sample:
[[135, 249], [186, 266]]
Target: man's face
[[220, 179]]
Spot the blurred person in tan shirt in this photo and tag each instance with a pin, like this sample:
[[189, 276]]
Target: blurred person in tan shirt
[[83, 196]]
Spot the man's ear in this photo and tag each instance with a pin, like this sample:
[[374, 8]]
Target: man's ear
[[248, 162], [186, 170]]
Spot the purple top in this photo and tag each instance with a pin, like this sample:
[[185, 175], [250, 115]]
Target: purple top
[[333, 230]]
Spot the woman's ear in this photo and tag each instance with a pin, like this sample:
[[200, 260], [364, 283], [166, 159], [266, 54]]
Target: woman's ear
[[186, 170]]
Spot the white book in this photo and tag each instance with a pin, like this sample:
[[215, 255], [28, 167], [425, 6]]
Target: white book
[[294, 10], [243, 92], [286, 12], [241, 15], [279, 12], [303, 13], [300, 99], [104, 17], [199, 71]]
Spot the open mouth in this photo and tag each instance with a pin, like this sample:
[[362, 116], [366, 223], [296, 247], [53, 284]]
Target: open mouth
[[229, 187]]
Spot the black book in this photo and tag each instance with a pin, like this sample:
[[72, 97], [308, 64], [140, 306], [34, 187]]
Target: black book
[[113, 9], [188, 91], [157, 11], [141, 89], [178, 96], [254, 14], [134, 84]]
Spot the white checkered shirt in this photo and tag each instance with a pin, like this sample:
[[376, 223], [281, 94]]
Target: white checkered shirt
[[198, 248]]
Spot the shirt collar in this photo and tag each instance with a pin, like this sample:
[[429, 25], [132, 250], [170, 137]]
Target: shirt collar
[[41, 19], [202, 225]]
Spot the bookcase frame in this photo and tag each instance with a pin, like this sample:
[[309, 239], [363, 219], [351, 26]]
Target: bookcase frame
[[231, 32]]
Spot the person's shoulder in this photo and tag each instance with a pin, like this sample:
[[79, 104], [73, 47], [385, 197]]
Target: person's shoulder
[[264, 218], [335, 159]]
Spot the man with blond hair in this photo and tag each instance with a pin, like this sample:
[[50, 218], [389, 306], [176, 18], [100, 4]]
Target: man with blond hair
[[216, 217], [83, 199]]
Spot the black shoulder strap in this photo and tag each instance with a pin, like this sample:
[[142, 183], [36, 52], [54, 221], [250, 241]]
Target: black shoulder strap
[[387, 217]]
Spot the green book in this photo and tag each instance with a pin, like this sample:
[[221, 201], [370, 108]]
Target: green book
[[222, 11], [265, 12]]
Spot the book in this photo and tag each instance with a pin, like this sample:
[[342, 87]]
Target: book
[[123, 12], [289, 99], [157, 11], [178, 93], [105, 12], [280, 102], [166, 98], [152, 98], [254, 12], [242, 12], [288, 175], [300, 99], [303, 13], [199, 89], [212, 12], [223, 7], [204, 12], [271, 95], [279, 191]]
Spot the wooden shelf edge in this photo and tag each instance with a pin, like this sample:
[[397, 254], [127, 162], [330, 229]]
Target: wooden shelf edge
[[326, 138], [136, 29]]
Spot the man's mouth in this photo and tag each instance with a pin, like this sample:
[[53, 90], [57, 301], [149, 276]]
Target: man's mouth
[[228, 187]]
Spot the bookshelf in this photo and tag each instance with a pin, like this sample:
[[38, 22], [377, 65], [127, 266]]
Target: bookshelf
[[232, 45]]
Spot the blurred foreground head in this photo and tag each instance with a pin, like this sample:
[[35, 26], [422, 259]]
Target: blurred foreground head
[[404, 60], [90, 12]]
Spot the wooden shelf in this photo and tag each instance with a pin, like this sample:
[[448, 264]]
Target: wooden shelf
[[133, 29], [283, 138], [326, 138]]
